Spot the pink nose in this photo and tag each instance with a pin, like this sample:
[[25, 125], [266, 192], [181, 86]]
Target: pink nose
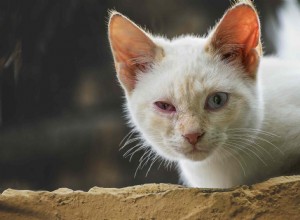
[[193, 138]]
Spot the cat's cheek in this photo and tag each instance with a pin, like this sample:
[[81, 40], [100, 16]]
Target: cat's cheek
[[225, 118], [157, 129], [237, 114], [232, 113], [161, 124]]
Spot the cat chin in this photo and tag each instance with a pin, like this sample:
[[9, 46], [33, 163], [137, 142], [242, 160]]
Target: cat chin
[[188, 155], [197, 155]]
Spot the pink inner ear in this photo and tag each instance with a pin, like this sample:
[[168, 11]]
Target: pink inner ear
[[243, 24], [238, 33], [133, 50], [240, 25]]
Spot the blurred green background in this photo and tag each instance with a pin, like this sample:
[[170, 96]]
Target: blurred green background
[[61, 106]]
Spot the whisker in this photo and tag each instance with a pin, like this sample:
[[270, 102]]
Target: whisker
[[232, 154], [239, 147], [262, 139], [145, 153], [131, 149], [132, 154], [130, 141], [126, 136], [141, 160], [149, 157], [154, 159], [161, 162], [253, 130], [231, 144], [239, 141], [242, 158], [166, 164]]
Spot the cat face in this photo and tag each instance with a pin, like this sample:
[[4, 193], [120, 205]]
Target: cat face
[[186, 95], [188, 88]]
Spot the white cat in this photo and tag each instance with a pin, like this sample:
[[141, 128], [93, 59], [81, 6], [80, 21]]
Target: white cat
[[214, 105]]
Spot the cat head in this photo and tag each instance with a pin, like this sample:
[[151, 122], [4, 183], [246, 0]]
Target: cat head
[[187, 95]]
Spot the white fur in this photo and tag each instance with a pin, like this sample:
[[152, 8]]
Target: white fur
[[288, 43], [266, 112]]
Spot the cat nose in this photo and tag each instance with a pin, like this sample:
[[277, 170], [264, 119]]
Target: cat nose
[[193, 138]]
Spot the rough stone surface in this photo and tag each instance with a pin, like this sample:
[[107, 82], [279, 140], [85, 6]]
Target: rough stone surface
[[277, 198]]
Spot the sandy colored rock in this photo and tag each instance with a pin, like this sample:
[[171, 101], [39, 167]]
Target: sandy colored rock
[[277, 198]]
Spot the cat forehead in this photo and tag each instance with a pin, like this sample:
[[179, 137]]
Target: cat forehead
[[187, 62], [186, 70], [184, 56], [182, 46], [185, 79]]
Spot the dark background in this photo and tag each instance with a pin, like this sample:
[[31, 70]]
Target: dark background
[[61, 106]]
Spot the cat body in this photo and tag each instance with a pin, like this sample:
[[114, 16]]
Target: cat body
[[226, 115]]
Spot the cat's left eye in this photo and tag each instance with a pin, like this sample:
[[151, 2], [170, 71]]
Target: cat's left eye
[[165, 107], [216, 101]]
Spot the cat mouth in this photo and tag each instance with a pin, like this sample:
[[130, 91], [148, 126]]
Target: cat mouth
[[195, 150], [192, 152], [196, 153], [198, 150]]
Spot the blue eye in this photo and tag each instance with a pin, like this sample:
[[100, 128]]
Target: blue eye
[[216, 100]]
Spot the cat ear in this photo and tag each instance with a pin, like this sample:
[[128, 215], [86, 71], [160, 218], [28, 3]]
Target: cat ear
[[133, 50], [236, 38]]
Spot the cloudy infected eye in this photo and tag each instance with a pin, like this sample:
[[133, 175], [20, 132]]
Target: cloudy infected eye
[[216, 101], [165, 107]]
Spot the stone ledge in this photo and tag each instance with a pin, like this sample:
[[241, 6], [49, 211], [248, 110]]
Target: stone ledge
[[277, 198]]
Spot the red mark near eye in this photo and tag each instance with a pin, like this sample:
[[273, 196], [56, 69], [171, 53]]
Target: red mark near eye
[[165, 107]]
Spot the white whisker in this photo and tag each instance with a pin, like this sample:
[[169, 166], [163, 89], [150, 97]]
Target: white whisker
[[251, 143], [253, 130], [131, 149], [132, 154], [141, 160], [232, 154], [262, 139], [154, 159], [127, 136], [250, 150], [231, 144]]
